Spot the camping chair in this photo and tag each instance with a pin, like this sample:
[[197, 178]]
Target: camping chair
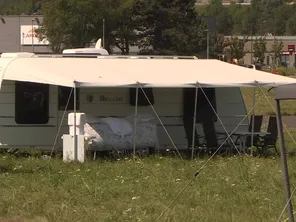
[[258, 119], [210, 135], [269, 140]]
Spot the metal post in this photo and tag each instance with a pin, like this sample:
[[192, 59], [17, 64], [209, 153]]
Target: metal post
[[253, 118], [23, 41], [274, 42], [194, 123], [103, 33], [284, 160], [251, 36], [19, 34], [75, 136], [135, 122], [33, 33], [208, 43]]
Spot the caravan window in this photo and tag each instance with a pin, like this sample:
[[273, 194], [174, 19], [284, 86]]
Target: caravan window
[[204, 108], [31, 103], [142, 100], [64, 93]]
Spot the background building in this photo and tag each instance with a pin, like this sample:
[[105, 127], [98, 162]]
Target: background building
[[16, 34], [286, 57]]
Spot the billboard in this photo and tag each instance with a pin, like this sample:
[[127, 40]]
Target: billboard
[[29, 37]]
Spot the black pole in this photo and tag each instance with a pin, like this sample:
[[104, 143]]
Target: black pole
[[284, 160]]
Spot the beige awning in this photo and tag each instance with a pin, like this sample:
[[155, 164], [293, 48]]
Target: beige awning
[[92, 72]]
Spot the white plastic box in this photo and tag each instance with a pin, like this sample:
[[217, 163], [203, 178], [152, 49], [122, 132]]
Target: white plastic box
[[69, 149], [80, 121]]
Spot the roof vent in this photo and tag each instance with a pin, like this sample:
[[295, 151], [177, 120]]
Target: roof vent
[[86, 52]]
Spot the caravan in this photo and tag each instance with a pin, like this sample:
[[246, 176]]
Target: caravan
[[39, 91]]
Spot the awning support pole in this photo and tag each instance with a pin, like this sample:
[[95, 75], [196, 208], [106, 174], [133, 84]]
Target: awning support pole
[[284, 160], [253, 118], [75, 136], [161, 123], [135, 121], [194, 122]]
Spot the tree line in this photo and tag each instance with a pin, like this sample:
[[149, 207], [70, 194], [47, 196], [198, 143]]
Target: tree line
[[159, 26], [260, 18]]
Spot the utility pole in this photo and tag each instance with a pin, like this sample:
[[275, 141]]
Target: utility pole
[[274, 56], [208, 43], [251, 36], [33, 35], [103, 33]]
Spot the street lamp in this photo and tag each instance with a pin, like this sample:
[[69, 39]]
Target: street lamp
[[33, 31], [208, 43], [103, 33], [32, 36]]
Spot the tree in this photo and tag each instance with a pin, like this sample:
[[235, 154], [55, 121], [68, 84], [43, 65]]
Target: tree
[[282, 15], [260, 49], [277, 48], [236, 49], [223, 18], [218, 44], [76, 23], [123, 34], [265, 11], [291, 25], [169, 27], [17, 7]]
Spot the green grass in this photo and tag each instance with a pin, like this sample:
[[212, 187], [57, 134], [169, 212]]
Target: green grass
[[264, 108], [228, 189]]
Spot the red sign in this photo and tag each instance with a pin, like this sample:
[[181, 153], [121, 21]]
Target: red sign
[[291, 48]]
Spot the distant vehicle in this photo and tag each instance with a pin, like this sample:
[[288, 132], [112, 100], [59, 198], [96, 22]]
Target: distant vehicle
[[256, 66]]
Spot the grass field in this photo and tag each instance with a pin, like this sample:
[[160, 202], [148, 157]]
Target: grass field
[[228, 189], [264, 106]]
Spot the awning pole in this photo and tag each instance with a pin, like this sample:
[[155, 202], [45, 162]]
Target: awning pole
[[194, 122], [284, 160], [75, 136], [135, 122], [253, 116]]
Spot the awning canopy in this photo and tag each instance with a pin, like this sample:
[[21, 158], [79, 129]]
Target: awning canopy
[[114, 72], [287, 92]]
